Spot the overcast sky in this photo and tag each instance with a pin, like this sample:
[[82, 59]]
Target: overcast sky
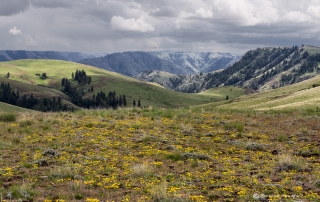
[[172, 25]]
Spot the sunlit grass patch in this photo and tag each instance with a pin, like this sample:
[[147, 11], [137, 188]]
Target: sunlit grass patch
[[141, 169]]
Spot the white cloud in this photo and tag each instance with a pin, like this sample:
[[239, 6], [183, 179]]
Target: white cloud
[[202, 13], [15, 31], [296, 17], [131, 24], [246, 12], [314, 11]]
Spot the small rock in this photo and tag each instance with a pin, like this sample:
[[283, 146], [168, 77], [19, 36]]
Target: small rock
[[196, 156], [272, 185], [170, 147], [44, 177], [41, 162], [275, 152], [208, 135], [304, 139], [50, 153]]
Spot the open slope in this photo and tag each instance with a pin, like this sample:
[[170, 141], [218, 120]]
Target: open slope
[[7, 108], [26, 71], [303, 95]]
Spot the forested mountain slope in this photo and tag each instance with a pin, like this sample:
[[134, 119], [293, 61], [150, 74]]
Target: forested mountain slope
[[261, 69]]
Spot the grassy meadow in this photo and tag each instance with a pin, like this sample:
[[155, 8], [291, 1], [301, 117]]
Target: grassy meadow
[[187, 154]]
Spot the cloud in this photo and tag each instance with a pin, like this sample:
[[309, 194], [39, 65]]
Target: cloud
[[314, 11], [296, 17], [11, 7], [131, 24], [180, 25], [52, 4], [15, 31], [202, 13]]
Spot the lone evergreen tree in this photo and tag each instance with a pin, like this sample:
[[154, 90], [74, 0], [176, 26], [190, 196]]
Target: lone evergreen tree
[[134, 103], [8, 74], [124, 100], [227, 98], [44, 76], [139, 103]]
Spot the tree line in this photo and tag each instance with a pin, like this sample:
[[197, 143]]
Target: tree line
[[8, 95], [78, 96], [99, 100]]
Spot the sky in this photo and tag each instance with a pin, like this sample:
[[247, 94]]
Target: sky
[[109, 26]]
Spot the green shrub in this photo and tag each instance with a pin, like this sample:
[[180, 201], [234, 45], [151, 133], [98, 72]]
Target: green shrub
[[282, 138], [317, 183], [238, 126], [175, 157], [78, 196], [8, 117], [21, 192]]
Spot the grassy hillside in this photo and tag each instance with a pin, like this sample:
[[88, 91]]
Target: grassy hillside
[[6, 108], [26, 71], [304, 95], [312, 49]]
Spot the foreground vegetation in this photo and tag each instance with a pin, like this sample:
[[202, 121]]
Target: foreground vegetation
[[188, 154]]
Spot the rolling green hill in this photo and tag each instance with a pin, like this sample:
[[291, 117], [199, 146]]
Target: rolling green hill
[[24, 75], [7, 108], [300, 96]]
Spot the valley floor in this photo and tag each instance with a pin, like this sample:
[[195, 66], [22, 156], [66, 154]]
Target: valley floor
[[188, 154]]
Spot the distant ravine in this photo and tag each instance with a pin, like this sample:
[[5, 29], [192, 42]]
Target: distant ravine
[[133, 63]]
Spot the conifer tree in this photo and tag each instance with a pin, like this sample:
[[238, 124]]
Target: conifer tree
[[139, 103], [124, 100]]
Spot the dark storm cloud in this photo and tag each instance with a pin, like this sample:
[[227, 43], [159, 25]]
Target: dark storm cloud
[[52, 4], [167, 11], [10, 7]]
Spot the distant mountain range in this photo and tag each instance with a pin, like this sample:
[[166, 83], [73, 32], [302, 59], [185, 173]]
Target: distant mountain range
[[133, 63], [261, 69], [8, 55]]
